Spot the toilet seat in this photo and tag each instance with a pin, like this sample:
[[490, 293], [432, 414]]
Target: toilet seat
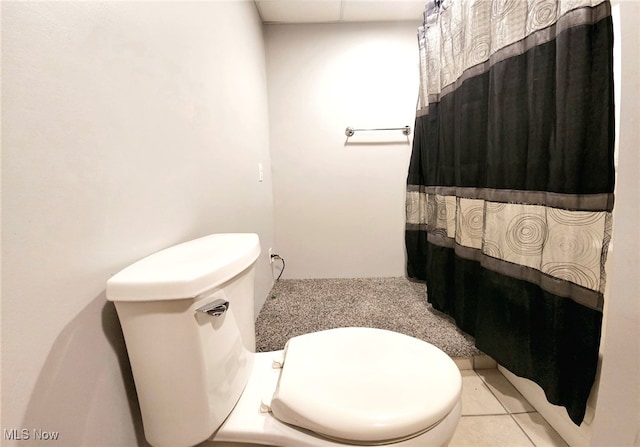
[[365, 386]]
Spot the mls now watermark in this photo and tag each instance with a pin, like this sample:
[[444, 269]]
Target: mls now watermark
[[25, 434]]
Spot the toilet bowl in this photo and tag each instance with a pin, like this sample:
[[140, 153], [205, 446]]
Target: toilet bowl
[[349, 386], [187, 318]]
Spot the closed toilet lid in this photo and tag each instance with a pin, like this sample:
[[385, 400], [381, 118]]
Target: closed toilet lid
[[365, 385]]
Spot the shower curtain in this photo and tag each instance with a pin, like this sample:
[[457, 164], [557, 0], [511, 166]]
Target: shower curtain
[[510, 183]]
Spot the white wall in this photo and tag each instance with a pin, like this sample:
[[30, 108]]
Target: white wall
[[339, 208], [127, 127]]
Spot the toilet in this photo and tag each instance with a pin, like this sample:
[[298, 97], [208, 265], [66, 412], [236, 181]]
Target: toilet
[[188, 321]]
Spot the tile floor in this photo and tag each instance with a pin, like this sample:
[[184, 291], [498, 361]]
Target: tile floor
[[495, 414]]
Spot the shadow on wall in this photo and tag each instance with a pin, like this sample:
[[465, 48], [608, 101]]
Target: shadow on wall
[[85, 391]]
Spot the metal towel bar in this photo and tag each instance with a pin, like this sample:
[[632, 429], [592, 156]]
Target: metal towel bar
[[349, 131]]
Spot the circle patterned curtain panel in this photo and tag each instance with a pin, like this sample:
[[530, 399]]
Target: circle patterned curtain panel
[[511, 179]]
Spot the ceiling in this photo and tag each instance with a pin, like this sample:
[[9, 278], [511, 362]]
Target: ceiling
[[331, 11]]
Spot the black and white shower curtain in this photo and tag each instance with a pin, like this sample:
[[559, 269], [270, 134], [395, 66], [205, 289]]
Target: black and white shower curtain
[[510, 185]]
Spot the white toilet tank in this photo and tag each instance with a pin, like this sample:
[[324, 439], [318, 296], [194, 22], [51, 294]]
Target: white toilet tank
[[189, 366]]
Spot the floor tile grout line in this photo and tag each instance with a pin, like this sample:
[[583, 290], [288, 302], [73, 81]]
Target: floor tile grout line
[[496, 396], [489, 389], [484, 414], [509, 413], [523, 430]]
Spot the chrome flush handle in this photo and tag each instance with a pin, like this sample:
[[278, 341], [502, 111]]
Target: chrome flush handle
[[215, 308]]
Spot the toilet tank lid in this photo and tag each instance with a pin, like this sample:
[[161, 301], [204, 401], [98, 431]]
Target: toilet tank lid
[[185, 270]]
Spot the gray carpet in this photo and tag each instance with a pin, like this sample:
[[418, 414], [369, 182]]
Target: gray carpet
[[299, 306]]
